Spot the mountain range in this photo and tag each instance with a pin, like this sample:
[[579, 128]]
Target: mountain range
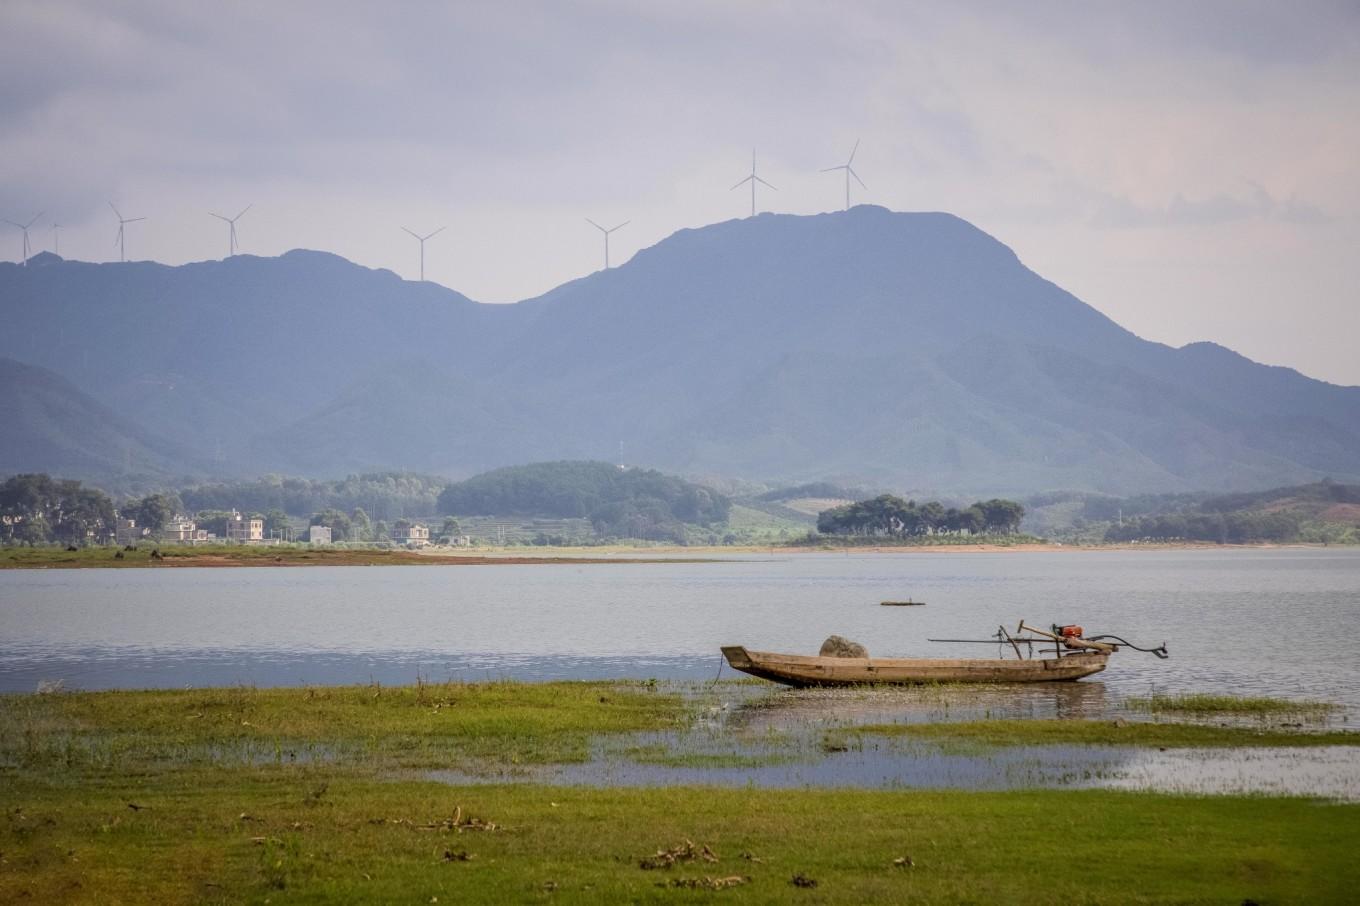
[[906, 350]]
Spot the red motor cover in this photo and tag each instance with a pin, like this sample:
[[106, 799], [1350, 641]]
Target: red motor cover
[[1071, 632]]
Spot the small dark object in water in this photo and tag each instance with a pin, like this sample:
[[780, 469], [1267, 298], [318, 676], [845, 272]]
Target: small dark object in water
[[907, 603]]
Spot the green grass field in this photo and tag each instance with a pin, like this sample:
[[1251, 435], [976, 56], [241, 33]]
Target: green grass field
[[322, 795]]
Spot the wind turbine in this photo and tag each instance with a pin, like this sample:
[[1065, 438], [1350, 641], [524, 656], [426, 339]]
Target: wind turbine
[[421, 240], [56, 238], [606, 236], [232, 244], [753, 179], [122, 222], [848, 173], [24, 227]]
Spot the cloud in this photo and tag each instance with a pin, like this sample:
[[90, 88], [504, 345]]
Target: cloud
[[1215, 210]]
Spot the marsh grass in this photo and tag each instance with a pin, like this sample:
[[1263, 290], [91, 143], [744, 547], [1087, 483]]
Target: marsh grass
[[468, 725], [1203, 703], [1041, 732]]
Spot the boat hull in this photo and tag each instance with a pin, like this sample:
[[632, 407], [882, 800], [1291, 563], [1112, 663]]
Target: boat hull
[[801, 670]]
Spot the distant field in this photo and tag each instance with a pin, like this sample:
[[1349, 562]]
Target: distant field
[[815, 505], [748, 523]]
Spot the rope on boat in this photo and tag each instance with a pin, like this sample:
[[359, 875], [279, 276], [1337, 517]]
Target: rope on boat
[[1160, 650]]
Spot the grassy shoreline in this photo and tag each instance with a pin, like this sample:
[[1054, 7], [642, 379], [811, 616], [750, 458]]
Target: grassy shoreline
[[289, 556], [320, 795]]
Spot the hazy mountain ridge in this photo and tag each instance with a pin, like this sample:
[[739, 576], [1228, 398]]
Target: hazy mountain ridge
[[908, 350], [48, 425]]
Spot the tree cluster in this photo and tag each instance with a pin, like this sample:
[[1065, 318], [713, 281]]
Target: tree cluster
[[893, 517], [37, 509], [632, 503]]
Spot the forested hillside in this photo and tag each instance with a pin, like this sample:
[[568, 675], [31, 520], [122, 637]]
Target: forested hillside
[[634, 503]]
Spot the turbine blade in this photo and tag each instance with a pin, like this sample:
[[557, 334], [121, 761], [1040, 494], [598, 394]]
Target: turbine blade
[[31, 222], [410, 231], [596, 225], [857, 179], [763, 182], [12, 223], [852, 153], [243, 212], [621, 226], [115, 211], [218, 216], [437, 232], [743, 182], [832, 169], [134, 219]]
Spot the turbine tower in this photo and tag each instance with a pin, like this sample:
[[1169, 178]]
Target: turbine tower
[[232, 244], [56, 238], [122, 222], [24, 226], [606, 236], [848, 173], [421, 240], [753, 179]]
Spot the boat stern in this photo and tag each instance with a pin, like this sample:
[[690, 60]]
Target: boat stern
[[737, 657]]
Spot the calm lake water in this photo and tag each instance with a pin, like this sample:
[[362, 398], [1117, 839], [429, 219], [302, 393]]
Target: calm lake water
[[1278, 622]]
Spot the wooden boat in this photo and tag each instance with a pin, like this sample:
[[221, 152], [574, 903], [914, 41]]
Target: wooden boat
[[906, 603], [802, 670], [1073, 656]]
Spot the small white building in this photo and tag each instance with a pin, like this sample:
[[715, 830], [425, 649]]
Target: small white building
[[411, 534], [319, 534], [181, 529], [244, 530]]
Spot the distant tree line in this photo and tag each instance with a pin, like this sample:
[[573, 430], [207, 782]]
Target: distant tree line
[[1220, 528], [628, 503], [381, 495], [893, 517], [1278, 515]]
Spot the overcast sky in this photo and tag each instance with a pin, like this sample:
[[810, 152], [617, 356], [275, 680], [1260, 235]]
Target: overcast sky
[[1192, 169]]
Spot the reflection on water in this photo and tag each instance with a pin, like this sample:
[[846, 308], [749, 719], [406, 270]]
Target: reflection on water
[[749, 735]]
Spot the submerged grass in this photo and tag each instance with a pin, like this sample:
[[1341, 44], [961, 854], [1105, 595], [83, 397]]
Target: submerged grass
[[1097, 733], [1202, 703]]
